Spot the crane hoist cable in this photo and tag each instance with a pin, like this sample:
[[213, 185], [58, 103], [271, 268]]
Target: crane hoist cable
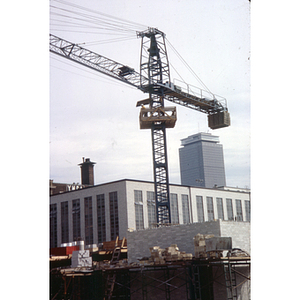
[[87, 19], [188, 67], [98, 17]]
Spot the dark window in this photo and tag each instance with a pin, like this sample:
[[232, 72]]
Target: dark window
[[174, 209], [248, 211], [101, 218], [210, 209], [138, 205], [53, 225], [114, 217], [88, 219], [239, 213], [229, 209], [64, 222], [76, 219], [185, 209], [200, 210], [220, 208], [151, 209]]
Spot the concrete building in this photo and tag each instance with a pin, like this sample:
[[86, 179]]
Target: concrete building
[[102, 212], [201, 161]]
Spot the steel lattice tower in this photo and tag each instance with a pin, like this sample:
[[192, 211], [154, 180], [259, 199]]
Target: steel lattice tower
[[155, 66]]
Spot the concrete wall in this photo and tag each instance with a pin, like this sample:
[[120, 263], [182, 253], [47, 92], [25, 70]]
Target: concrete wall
[[139, 242], [240, 233]]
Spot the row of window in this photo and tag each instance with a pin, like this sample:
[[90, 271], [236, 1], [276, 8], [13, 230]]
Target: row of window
[[211, 214], [139, 214], [88, 220]]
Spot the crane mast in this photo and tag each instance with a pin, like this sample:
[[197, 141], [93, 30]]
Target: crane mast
[[153, 79], [154, 65]]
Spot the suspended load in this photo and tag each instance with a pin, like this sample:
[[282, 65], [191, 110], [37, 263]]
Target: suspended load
[[219, 119], [166, 115]]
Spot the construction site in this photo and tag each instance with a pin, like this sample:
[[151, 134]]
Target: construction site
[[132, 239], [216, 271]]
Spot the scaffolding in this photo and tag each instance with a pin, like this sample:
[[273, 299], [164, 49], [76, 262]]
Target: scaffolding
[[197, 279]]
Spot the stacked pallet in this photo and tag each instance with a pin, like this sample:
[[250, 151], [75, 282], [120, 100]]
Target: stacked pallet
[[169, 254], [200, 246], [157, 255]]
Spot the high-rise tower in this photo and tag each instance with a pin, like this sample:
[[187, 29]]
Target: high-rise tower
[[201, 161]]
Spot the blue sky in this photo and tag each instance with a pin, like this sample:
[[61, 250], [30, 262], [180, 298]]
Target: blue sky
[[93, 116]]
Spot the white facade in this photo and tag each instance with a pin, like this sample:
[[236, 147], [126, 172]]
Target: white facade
[[132, 212]]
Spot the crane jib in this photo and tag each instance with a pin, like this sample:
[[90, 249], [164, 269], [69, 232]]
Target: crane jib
[[129, 76], [95, 61]]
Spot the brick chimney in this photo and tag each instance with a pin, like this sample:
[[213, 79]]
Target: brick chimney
[[87, 172]]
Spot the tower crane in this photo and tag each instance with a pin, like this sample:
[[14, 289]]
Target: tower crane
[[153, 79]]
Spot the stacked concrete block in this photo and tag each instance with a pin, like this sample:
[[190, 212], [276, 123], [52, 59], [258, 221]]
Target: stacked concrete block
[[157, 255], [199, 244], [169, 254], [81, 258], [172, 253]]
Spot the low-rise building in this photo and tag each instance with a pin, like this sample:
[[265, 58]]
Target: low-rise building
[[102, 212]]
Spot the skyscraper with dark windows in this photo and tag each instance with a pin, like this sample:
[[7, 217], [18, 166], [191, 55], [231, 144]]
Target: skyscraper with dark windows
[[201, 161]]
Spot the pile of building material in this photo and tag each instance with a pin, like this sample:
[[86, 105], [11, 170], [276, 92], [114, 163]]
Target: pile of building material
[[81, 258], [209, 246], [169, 254], [157, 255], [199, 244]]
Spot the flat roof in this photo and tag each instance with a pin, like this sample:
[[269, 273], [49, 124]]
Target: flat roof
[[222, 188]]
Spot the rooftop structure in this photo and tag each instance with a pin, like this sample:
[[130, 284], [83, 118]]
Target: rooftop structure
[[87, 172]]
